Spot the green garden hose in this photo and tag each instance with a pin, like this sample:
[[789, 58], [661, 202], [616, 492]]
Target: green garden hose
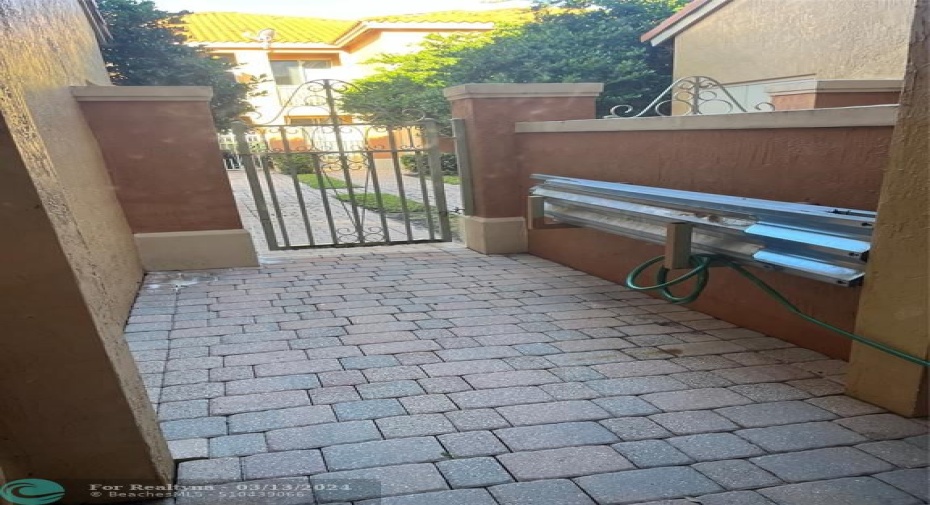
[[700, 271]]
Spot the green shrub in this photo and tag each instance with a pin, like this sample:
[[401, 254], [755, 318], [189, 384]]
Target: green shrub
[[392, 204], [447, 162], [328, 182], [409, 162], [292, 163]]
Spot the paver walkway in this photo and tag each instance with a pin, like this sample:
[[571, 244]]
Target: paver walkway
[[434, 375]]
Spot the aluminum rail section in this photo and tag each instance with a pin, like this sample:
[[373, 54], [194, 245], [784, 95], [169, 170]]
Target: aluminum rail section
[[818, 242]]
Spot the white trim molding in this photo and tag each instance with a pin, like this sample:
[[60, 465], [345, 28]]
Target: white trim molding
[[142, 93], [296, 46], [366, 26], [464, 25], [529, 90], [676, 24], [836, 86], [840, 117]]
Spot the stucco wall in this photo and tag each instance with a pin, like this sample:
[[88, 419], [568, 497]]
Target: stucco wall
[[390, 42], [494, 149], [827, 166], [70, 269], [829, 100], [267, 100], [172, 178], [752, 40], [45, 47], [254, 64], [896, 298]]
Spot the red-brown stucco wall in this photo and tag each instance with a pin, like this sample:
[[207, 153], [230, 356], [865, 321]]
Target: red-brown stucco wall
[[828, 100], [492, 146], [173, 180], [826, 166], [832, 100]]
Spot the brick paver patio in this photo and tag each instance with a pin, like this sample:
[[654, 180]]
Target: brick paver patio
[[453, 378]]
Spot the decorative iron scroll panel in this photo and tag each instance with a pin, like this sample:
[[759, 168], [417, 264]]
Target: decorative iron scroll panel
[[695, 95], [335, 180]]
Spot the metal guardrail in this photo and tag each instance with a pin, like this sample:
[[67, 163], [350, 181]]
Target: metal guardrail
[[824, 243]]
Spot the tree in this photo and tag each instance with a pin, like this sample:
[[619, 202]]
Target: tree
[[410, 84], [568, 41], [148, 49]]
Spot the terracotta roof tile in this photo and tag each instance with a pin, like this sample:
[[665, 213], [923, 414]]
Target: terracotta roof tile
[[231, 26]]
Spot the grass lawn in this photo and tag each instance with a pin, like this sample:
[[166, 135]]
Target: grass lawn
[[330, 182], [448, 179], [392, 203]]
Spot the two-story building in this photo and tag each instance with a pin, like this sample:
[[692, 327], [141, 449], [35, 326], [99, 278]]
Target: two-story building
[[285, 52], [796, 54]]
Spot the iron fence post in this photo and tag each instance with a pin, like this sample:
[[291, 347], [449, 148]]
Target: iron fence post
[[244, 151], [434, 158]]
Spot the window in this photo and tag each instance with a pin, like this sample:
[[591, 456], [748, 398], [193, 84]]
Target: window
[[293, 72]]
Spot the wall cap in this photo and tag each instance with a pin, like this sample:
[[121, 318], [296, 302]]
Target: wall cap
[[840, 117], [524, 90], [836, 86], [142, 93]]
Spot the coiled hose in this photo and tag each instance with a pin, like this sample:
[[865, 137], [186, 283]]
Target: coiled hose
[[700, 271]]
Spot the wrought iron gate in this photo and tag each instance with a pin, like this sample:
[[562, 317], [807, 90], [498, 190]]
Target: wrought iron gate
[[328, 179]]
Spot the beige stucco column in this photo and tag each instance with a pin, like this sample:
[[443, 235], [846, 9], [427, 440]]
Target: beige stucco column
[[893, 308], [161, 150], [73, 408], [490, 112]]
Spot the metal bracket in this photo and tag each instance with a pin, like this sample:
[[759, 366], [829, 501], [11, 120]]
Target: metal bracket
[[536, 216], [678, 245]]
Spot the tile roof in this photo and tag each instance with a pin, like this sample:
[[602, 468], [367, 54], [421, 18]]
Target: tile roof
[[231, 26]]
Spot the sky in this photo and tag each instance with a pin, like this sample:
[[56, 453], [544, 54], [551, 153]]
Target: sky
[[339, 9]]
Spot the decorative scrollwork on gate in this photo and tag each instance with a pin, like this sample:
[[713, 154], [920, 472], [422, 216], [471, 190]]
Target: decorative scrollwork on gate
[[324, 95], [372, 234], [321, 176], [690, 96]]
